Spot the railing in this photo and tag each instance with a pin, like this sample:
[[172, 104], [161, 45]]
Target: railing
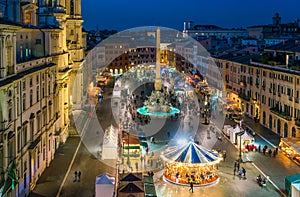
[[290, 98], [33, 63], [281, 114]]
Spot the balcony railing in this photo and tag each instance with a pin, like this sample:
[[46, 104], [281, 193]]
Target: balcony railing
[[281, 114], [290, 98], [297, 100]]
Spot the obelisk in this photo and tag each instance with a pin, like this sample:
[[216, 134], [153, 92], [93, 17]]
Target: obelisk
[[157, 84]]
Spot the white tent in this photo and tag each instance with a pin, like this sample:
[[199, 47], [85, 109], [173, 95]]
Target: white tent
[[104, 186], [227, 129], [295, 189], [233, 133], [110, 143], [246, 139]]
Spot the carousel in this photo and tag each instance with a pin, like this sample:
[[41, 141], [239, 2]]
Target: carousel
[[191, 163]]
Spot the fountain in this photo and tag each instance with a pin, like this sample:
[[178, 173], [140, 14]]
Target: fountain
[[158, 103]]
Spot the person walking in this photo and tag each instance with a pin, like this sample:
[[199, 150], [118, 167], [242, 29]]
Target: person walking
[[79, 174], [238, 166], [224, 155], [274, 153], [244, 172], [75, 173], [258, 148], [270, 153], [234, 170], [191, 186], [136, 166]]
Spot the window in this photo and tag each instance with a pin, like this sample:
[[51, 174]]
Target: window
[[10, 114], [37, 94], [24, 135], [19, 143], [30, 98], [24, 102], [38, 119], [30, 82], [32, 130], [37, 79], [38, 41], [43, 90], [24, 85]]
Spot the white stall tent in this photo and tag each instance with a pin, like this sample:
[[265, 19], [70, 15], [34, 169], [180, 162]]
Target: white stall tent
[[104, 186], [295, 189], [110, 143], [227, 129], [233, 133], [246, 139]]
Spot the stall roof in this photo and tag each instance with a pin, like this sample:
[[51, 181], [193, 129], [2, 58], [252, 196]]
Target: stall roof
[[293, 142], [131, 177], [131, 188], [190, 153], [104, 179]]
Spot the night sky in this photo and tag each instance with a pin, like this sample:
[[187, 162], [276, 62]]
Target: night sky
[[125, 14]]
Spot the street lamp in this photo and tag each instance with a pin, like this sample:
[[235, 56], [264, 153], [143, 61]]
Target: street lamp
[[240, 151]]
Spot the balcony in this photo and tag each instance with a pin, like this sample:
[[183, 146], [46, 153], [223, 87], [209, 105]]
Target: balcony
[[290, 98], [281, 114], [244, 96]]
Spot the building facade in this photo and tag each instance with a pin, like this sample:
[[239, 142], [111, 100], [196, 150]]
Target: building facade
[[41, 53]]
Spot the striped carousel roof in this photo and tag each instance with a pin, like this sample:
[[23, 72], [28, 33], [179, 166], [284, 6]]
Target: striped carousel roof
[[190, 153]]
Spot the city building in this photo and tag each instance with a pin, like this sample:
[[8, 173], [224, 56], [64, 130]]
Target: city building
[[195, 31], [42, 52], [266, 87]]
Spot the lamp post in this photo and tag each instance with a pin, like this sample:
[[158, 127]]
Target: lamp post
[[240, 151]]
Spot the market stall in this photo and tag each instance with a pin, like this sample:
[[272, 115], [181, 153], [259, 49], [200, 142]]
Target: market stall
[[246, 140], [131, 145], [110, 143], [227, 129], [104, 186], [191, 163], [291, 148], [233, 133]]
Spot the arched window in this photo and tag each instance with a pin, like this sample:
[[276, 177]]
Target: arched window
[[286, 130], [264, 118], [27, 19], [270, 122], [293, 132], [278, 126]]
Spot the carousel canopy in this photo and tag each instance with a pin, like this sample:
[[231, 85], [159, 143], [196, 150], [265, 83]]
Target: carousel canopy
[[190, 153]]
